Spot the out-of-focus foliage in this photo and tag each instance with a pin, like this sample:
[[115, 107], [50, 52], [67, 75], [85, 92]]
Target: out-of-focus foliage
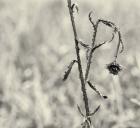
[[36, 45]]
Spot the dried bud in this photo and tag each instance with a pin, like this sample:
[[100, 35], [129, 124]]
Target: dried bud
[[114, 68]]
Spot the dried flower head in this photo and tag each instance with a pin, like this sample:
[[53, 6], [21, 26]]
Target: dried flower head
[[114, 68]]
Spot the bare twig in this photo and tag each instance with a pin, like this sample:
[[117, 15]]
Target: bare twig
[[99, 45], [81, 77]]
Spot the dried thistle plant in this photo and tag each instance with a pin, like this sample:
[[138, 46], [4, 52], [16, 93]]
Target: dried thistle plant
[[114, 68]]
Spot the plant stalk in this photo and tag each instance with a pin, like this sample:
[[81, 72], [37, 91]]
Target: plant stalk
[[81, 76]]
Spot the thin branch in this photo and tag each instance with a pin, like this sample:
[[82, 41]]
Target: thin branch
[[81, 77], [94, 28], [70, 6], [90, 55], [99, 45]]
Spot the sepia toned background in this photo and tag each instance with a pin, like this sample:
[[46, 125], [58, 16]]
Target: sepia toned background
[[36, 46]]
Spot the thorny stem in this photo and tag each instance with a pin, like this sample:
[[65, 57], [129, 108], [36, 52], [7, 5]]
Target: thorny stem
[[81, 77]]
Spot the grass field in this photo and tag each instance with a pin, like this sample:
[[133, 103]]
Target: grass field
[[36, 45]]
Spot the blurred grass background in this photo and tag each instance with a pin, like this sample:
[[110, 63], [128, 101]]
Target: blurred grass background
[[36, 45]]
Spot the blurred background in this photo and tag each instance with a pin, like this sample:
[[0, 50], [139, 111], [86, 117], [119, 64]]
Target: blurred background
[[37, 45]]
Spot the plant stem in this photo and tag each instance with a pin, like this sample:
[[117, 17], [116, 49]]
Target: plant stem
[[81, 76], [91, 52]]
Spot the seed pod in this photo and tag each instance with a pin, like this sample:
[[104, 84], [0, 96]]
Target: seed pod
[[114, 68]]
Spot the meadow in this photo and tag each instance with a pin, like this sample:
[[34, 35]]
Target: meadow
[[36, 46]]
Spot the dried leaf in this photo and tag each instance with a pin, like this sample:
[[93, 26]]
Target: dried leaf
[[75, 6], [108, 23], [95, 111], [95, 89], [83, 44], [68, 70], [79, 109]]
